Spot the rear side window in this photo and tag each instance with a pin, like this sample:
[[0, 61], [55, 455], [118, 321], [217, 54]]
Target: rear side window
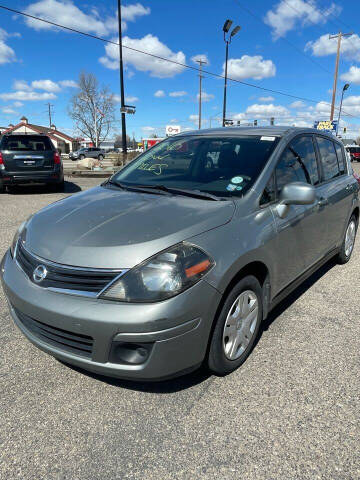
[[328, 158], [340, 157], [26, 143], [290, 169], [303, 149]]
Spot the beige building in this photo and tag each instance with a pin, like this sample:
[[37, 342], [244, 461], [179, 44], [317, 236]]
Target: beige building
[[64, 143]]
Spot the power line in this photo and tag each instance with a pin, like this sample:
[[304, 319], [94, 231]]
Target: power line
[[217, 75]]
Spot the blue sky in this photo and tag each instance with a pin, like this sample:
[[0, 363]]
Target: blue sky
[[283, 45]]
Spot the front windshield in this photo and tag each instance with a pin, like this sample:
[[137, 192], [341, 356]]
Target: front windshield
[[226, 166]]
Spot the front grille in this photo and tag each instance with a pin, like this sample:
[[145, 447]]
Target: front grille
[[63, 277], [63, 339]]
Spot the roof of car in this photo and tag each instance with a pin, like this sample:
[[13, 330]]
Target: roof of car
[[276, 130]]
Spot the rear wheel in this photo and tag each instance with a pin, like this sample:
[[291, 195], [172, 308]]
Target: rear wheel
[[237, 327], [347, 246], [81, 157], [101, 158]]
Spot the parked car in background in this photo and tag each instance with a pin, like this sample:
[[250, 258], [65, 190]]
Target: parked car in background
[[29, 159], [87, 152], [354, 151], [177, 259]]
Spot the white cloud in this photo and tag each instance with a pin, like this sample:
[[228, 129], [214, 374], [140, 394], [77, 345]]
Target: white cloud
[[148, 129], [9, 111], [194, 119], [266, 99], [131, 99], [352, 76], [18, 104], [201, 56], [7, 54], [159, 93], [180, 93], [250, 67], [205, 97], [289, 14], [27, 96], [129, 13], [47, 85], [68, 83], [21, 85], [66, 13], [145, 63], [323, 46], [270, 110], [297, 104], [352, 105]]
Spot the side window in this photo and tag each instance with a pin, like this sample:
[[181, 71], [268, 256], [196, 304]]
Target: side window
[[269, 193], [340, 156], [328, 158], [289, 170], [303, 149]]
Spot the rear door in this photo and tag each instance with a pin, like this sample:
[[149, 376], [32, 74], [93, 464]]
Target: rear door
[[27, 153], [337, 189]]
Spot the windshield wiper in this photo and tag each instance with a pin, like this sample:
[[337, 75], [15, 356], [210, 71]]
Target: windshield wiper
[[136, 188], [181, 191]]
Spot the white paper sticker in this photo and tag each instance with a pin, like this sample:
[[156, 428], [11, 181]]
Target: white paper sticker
[[268, 139]]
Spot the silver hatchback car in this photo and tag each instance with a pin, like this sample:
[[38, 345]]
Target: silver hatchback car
[[178, 258]]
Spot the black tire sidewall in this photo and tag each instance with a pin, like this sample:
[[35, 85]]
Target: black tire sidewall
[[216, 360], [100, 158]]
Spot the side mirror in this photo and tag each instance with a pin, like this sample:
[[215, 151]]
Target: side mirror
[[296, 193]]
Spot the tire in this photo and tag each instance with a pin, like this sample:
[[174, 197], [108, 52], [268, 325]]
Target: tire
[[347, 246], [57, 187], [224, 357], [81, 157], [101, 158]]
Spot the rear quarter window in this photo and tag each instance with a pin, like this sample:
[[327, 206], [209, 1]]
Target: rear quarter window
[[29, 143]]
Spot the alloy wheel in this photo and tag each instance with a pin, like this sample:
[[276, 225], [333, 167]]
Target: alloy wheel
[[350, 238]]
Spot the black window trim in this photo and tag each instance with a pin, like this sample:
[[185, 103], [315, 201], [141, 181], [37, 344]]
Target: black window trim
[[324, 182], [273, 173]]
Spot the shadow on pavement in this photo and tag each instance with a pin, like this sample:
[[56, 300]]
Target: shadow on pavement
[[200, 375], [70, 187]]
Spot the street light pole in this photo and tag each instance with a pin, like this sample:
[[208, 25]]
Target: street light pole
[[227, 41], [122, 95], [345, 87]]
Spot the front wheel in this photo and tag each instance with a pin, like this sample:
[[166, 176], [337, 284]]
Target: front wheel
[[237, 327], [81, 157], [101, 158], [347, 246]]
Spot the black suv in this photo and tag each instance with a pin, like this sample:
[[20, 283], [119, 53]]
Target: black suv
[[29, 159]]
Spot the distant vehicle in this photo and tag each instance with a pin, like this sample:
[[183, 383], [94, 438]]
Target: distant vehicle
[[354, 151], [29, 159], [87, 152], [150, 142]]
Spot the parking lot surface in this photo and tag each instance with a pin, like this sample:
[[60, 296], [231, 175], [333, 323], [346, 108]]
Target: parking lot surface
[[290, 412]]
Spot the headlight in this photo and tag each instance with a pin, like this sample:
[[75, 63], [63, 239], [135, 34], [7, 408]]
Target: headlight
[[162, 276], [21, 232]]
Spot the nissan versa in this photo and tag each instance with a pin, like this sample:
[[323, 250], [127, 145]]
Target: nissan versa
[[176, 259]]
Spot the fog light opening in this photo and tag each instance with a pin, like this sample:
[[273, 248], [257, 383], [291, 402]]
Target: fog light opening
[[130, 353]]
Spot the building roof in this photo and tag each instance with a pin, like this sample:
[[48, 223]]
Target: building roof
[[52, 133]]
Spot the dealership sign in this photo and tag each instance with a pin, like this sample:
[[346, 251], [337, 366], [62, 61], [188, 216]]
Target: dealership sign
[[172, 130], [326, 126]]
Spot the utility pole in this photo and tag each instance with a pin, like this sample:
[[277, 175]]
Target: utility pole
[[49, 110], [201, 63], [339, 37], [122, 95]]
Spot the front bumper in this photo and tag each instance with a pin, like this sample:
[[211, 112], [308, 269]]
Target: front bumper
[[177, 330]]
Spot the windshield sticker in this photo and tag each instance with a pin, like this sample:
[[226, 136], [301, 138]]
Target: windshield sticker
[[237, 180], [231, 187], [268, 139]]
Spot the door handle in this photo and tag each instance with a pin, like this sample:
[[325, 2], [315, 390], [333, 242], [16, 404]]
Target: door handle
[[322, 202]]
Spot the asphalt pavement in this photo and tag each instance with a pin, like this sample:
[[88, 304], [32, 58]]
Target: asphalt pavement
[[290, 412]]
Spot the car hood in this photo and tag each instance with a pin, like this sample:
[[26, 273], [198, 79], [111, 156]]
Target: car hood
[[112, 228]]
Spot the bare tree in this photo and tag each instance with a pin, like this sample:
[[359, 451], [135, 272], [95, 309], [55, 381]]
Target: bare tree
[[92, 108]]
